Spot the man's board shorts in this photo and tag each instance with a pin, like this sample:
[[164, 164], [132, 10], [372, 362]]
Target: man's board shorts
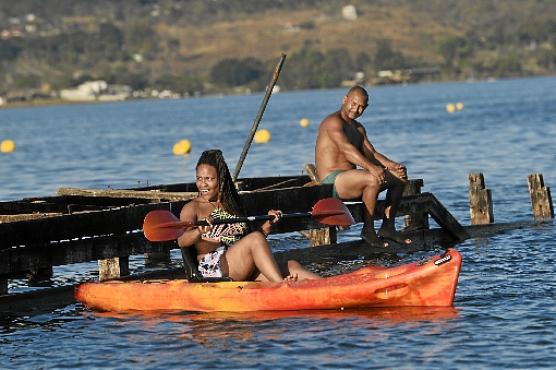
[[209, 265], [330, 179]]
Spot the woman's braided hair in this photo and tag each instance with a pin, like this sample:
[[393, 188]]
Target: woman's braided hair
[[227, 193]]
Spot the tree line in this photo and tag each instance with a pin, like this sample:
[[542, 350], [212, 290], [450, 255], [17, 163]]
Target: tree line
[[136, 54]]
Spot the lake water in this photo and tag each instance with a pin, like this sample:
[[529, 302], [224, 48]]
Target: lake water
[[504, 313]]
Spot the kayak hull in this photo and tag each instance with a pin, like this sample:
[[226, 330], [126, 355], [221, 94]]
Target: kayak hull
[[429, 284]]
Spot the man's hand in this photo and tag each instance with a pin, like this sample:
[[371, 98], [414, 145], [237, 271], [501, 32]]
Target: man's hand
[[379, 173], [398, 170]]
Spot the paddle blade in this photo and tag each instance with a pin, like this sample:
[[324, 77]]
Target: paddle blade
[[162, 225], [332, 211]]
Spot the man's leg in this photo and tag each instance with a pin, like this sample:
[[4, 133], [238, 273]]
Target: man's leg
[[361, 184], [394, 194]]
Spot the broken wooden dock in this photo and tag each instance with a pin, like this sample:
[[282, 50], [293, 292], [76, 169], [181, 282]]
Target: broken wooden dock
[[84, 225]]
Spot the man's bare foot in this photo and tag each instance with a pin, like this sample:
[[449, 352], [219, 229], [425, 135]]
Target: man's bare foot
[[393, 235], [373, 240]]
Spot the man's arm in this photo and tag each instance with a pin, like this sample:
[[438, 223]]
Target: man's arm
[[350, 152], [396, 168]]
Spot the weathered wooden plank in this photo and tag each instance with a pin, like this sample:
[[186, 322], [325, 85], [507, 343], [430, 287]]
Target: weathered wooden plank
[[26, 217], [66, 227], [154, 195], [242, 184], [541, 200], [16, 262], [44, 205]]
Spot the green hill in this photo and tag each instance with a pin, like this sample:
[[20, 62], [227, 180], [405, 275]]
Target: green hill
[[217, 45]]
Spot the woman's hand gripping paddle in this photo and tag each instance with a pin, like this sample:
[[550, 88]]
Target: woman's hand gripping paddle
[[162, 225]]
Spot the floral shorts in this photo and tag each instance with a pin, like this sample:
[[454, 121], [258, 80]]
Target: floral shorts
[[209, 265]]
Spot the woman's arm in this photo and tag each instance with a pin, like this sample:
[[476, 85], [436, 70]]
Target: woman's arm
[[192, 235], [267, 225]]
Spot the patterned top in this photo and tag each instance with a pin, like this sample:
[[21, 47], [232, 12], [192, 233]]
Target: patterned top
[[225, 234]]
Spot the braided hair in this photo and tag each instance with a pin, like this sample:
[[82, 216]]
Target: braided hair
[[227, 193]]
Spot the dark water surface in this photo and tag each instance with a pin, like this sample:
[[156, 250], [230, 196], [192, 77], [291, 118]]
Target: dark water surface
[[504, 314]]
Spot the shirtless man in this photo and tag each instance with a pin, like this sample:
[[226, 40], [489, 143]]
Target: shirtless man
[[342, 146]]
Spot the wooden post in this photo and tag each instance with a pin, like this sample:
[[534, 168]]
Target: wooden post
[[541, 201], [417, 221], [324, 236], [157, 259], [480, 200], [40, 277], [113, 268]]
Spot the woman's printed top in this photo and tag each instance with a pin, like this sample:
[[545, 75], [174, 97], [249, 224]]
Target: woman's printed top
[[225, 234]]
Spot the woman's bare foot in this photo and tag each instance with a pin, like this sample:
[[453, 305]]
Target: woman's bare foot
[[291, 277]]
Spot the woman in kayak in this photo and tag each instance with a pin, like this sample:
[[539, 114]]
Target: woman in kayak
[[230, 250]]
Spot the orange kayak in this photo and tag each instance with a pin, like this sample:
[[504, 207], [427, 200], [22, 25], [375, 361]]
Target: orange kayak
[[420, 284]]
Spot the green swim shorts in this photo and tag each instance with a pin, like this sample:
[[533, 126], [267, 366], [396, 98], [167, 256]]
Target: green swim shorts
[[330, 179]]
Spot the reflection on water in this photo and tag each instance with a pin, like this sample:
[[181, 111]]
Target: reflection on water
[[394, 315], [215, 331]]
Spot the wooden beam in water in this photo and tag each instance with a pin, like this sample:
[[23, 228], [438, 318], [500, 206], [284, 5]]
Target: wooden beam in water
[[17, 262], [443, 218], [113, 268], [541, 200], [480, 200]]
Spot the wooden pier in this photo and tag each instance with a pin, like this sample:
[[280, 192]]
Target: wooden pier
[[84, 225]]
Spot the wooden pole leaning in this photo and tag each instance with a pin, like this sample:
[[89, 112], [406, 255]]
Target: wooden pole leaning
[[480, 200], [541, 200], [259, 116]]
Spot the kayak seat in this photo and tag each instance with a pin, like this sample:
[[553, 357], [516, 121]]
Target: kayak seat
[[191, 271]]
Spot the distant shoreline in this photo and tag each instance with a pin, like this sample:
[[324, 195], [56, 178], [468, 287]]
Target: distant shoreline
[[57, 101]]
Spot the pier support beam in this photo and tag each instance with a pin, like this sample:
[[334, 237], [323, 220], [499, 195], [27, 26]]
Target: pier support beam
[[541, 200], [3, 286], [324, 236], [480, 200], [113, 268], [157, 259], [40, 277], [416, 221]]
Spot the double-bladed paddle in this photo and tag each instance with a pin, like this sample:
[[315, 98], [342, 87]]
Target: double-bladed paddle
[[162, 225]]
